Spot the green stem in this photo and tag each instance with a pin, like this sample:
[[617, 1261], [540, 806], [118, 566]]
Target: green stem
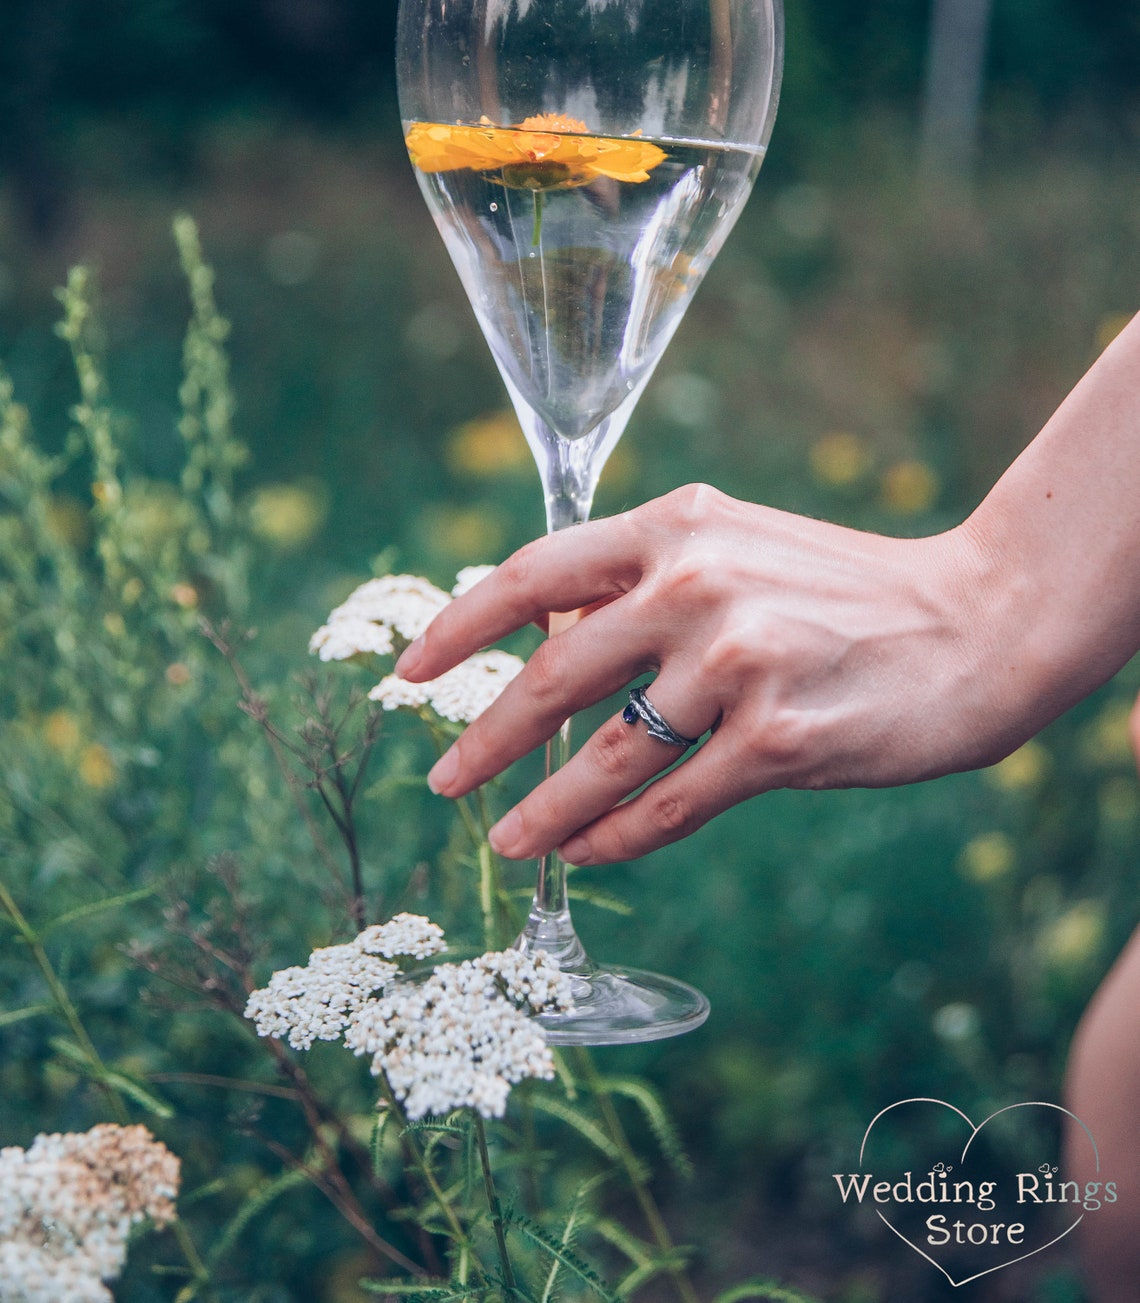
[[631, 1166], [193, 1260], [424, 1168], [536, 237], [511, 919], [493, 1203], [63, 1003], [490, 880]]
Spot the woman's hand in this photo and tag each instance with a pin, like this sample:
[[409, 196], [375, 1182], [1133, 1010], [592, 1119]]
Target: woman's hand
[[818, 656]]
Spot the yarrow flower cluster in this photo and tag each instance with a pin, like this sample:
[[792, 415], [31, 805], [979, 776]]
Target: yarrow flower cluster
[[461, 695], [384, 614], [67, 1205], [315, 1003], [459, 1038]]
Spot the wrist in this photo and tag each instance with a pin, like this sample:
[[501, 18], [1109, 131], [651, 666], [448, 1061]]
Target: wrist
[[1037, 641]]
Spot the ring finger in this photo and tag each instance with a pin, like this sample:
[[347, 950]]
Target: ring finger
[[618, 759]]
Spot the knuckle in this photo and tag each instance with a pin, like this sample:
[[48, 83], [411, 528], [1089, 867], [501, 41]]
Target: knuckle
[[730, 655], [613, 748], [545, 675], [672, 813], [693, 506], [517, 572], [782, 738]]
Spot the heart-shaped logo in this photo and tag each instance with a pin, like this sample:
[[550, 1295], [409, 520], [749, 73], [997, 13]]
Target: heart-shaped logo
[[962, 1195]]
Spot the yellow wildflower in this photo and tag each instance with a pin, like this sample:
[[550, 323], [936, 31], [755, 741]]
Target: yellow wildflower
[[909, 487], [547, 152], [96, 767], [288, 515], [1021, 769], [840, 458], [1073, 939], [61, 732], [465, 531], [487, 445], [987, 857]]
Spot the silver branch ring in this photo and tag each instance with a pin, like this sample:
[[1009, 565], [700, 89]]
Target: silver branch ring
[[640, 707]]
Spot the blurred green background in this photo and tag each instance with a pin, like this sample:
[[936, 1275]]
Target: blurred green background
[[902, 305]]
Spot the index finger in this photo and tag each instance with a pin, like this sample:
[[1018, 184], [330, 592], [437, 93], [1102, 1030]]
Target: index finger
[[585, 565]]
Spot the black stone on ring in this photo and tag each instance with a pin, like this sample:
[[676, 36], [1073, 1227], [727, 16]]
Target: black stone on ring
[[640, 707]]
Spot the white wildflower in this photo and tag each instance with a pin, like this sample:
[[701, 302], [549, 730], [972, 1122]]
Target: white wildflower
[[67, 1206], [311, 1004], [468, 577], [303, 1005], [406, 934], [455, 1040], [394, 693], [401, 607], [464, 693], [350, 635], [461, 695], [531, 981], [405, 603], [459, 1038], [29, 1274]]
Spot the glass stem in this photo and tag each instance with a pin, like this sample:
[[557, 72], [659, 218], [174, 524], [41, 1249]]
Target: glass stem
[[549, 927]]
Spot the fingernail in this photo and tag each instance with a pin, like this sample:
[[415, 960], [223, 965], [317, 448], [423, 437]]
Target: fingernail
[[411, 656], [576, 851], [443, 771], [505, 834]]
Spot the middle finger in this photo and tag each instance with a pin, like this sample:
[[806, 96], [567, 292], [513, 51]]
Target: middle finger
[[570, 671]]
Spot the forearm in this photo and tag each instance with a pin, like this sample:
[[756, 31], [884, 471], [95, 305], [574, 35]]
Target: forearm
[[1057, 543]]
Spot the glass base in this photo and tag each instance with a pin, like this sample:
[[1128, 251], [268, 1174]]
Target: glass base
[[613, 1005], [625, 1006]]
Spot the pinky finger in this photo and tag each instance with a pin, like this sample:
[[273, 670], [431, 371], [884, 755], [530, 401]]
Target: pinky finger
[[671, 808]]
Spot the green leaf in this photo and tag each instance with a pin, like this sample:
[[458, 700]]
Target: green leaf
[[585, 1126], [671, 1261], [600, 898], [570, 1232], [95, 907], [376, 1144], [660, 1123], [763, 1289], [567, 1258], [395, 783], [637, 1251], [116, 1081], [442, 1128], [141, 1096], [19, 1015], [201, 1192], [261, 1198], [589, 895], [425, 1289]]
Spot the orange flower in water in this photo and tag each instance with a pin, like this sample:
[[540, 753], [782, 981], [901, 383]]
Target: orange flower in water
[[547, 152]]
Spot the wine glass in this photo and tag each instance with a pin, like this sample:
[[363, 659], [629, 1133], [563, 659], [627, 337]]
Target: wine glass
[[584, 161]]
